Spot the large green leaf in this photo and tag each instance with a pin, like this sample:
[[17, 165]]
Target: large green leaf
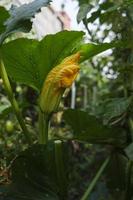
[[29, 61], [89, 129], [33, 61], [89, 50], [20, 64], [3, 16], [20, 17], [34, 175]]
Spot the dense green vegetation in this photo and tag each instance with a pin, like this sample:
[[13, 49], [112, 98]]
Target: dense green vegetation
[[82, 153]]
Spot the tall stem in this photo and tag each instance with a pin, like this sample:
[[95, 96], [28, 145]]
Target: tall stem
[[95, 179], [61, 175], [130, 122], [13, 100], [128, 193], [43, 128]]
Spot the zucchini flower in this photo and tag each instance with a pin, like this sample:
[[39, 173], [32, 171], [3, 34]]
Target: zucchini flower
[[57, 80]]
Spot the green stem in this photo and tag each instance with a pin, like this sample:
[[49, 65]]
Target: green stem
[[43, 128], [61, 175], [13, 101], [95, 179], [130, 122], [128, 193]]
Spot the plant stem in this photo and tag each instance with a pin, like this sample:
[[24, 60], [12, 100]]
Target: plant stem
[[43, 128], [13, 101], [128, 195], [130, 122], [95, 179], [61, 176]]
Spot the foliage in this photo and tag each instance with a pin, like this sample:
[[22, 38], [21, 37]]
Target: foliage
[[40, 170], [110, 84], [89, 129], [4, 16], [38, 181], [32, 65]]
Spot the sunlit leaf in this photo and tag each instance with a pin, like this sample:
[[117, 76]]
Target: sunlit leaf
[[35, 59], [89, 50]]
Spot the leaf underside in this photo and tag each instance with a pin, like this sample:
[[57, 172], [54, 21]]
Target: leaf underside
[[20, 17]]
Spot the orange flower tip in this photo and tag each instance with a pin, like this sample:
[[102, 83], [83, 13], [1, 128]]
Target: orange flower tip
[[72, 59]]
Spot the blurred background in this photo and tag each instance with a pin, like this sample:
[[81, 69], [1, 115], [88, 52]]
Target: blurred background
[[103, 87]]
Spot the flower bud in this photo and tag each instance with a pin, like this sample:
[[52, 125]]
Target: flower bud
[[57, 80]]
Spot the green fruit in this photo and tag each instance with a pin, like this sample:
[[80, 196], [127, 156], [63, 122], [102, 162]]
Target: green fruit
[[9, 126]]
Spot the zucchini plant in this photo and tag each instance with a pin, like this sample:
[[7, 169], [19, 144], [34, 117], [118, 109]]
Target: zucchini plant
[[50, 66]]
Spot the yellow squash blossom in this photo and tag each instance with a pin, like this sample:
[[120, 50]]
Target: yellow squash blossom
[[58, 79]]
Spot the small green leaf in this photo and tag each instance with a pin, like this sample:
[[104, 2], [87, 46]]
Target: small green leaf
[[94, 16], [83, 11], [3, 17], [88, 128], [5, 110], [20, 17], [31, 64], [106, 5], [2, 108], [82, 2]]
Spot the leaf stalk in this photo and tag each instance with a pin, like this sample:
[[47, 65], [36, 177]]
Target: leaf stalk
[[61, 176], [43, 127], [95, 179], [13, 101]]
